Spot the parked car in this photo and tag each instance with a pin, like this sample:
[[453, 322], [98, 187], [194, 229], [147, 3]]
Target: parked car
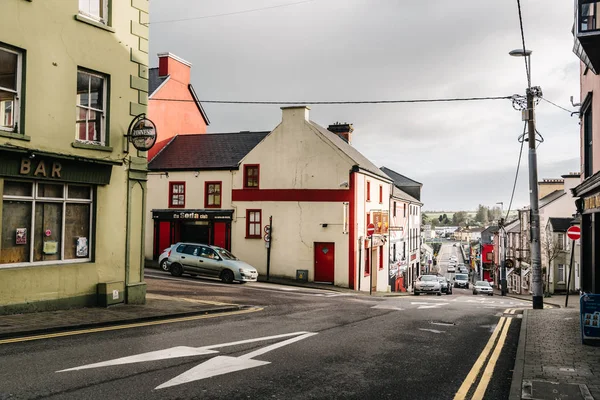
[[445, 284], [451, 268], [212, 261], [427, 284], [463, 269], [162, 259], [461, 280], [483, 287]]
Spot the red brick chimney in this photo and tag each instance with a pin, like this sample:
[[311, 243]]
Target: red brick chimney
[[342, 130]]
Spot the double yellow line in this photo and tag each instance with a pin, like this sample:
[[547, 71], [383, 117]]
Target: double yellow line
[[501, 330]]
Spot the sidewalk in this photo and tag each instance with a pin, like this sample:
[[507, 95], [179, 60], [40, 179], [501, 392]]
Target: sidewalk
[[551, 361], [556, 300]]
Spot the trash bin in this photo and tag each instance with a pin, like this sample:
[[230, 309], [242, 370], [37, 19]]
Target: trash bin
[[589, 310]]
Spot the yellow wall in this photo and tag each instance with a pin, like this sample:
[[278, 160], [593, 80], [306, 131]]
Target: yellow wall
[[56, 44]]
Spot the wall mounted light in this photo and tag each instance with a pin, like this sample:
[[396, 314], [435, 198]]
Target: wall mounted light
[[324, 225]]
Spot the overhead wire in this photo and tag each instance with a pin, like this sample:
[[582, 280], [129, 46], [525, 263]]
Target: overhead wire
[[527, 64], [512, 196], [556, 105]]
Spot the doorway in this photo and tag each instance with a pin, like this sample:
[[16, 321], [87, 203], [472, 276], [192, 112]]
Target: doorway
[[324, 262]]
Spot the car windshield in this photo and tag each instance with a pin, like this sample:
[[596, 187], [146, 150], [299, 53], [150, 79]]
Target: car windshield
[[482, 283], [226, 255], [462, 277], [428, 278]]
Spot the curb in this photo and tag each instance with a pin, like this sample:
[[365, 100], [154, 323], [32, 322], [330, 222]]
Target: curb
[[56, 329], [517, 377]]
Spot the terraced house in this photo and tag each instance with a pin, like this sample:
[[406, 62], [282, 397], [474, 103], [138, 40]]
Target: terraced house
[[73, 75]]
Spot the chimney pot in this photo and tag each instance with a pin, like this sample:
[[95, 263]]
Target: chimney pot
[[344, 131]]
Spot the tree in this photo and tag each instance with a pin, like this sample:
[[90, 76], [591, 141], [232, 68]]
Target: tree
[[553, 249], [459, 217], [482, 214], [441, 218]]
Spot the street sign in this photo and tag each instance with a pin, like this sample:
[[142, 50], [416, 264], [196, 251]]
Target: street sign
[[574, 232], [267, 229], [370, 230], [267, 238]]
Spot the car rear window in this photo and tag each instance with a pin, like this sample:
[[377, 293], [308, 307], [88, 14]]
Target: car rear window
[[462, 277], [429, 278], [482, 283]]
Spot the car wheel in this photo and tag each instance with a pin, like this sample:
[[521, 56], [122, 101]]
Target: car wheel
[[227, 276], [416, 293], [176, 270], [439, 293], [467, 285], [164, 266], [491, 294]]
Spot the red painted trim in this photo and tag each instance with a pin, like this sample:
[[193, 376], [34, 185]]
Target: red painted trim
[[246, 167], [206, 205], [380, 194], [367, 262], [248, 224], [291, 195], [352, 231], [368, 190], [381, 257], [171, 184]]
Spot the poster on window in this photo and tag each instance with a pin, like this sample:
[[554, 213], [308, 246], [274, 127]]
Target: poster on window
[[21, 235], [82, 247], [50, 247]]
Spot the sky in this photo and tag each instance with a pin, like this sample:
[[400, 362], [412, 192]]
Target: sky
[[464, 153]]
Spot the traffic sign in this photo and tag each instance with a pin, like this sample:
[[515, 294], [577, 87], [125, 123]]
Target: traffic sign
[[370, 230], [267, 238], [267, 229], [574, 232]]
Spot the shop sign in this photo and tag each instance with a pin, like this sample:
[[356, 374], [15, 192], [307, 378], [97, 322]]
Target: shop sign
[[189, 215], [21, 236], [381, 222], [227, 217], [142, 133], [589, 306], [413, 257], [377, 241], [592, 202], [42, 169]]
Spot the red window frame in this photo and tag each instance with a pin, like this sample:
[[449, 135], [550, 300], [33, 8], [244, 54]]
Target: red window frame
[[171, 193], [368, 221], [248, 167], [367, 262], [380, 257], [206, 194], [257, 224], [380, 194], [394, 209], [368, 191]]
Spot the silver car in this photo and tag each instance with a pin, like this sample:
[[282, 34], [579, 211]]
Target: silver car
[[483, 287], [427, 284], [162, 259], [212, 261]]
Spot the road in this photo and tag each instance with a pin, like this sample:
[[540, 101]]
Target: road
[[305, 343]]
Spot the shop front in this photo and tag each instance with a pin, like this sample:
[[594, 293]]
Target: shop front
[[589, 208], [196, 226]]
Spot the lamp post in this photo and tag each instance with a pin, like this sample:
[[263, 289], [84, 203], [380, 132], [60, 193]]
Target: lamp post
[[502, 254], [535, 245]]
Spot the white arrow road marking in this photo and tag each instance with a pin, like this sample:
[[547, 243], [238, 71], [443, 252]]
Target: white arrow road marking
[[180, 351], [386, 307], [225, 364], [428, 305], [431, 330]]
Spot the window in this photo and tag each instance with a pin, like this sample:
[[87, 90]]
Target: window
[[368, 191], [10, 89], [588, 12], [395, 257], [91, 106], [367, 262], [560, 273], [253, 223], [94, 9], [368, 219], [176, 194], [45, 223], [212, 194], [380, 194], [404, 210], [251, 177], [380, 257], [394, 209], [560, 242]]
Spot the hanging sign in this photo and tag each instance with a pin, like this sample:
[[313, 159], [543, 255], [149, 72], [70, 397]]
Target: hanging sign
[[142, 133]]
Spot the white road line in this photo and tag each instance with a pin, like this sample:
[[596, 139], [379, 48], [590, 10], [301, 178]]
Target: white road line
[[431, 330]]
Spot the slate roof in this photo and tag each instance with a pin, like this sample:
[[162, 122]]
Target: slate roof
[[560, 224], [403, 195], [356, 156], [549, 198], [515, 229], [209, 151], [488, 232], [399, 179], [154, 81]]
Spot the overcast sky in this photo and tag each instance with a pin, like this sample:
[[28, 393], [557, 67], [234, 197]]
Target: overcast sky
[[465, 154]]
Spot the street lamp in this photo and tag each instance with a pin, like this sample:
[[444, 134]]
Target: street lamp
[[502, 254], [535, 245]]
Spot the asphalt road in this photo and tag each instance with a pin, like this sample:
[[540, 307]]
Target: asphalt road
[[304, 344]]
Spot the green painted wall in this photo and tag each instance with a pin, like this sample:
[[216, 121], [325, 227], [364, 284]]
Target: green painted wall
[[56, 43]]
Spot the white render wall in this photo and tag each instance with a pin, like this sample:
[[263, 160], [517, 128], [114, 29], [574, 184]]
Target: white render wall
[[158, 195]]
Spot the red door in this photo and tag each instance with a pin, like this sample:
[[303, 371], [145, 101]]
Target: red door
[[220, 236], [324, 262], [164, 236]]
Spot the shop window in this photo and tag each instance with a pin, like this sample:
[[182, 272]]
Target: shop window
[[10, 89], [394, 209], [94, 9], [253, 224], [380, 257], [212, 194], [91, 108], [368, 191], [43, 222], [176, 194], [251, 176], [367, 262]]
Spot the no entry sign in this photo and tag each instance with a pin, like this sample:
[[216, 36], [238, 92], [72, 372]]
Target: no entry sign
[[370, 230], [574, 232]]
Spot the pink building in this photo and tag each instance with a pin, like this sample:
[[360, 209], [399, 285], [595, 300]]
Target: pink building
[[173, 105]]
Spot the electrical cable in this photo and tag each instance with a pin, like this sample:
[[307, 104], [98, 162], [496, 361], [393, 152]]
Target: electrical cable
[[226, 14], [527, 70], [341, 102], [517, 173], [556, 105]]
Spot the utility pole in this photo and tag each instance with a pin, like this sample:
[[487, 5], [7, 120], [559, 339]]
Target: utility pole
[[535, 245]]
